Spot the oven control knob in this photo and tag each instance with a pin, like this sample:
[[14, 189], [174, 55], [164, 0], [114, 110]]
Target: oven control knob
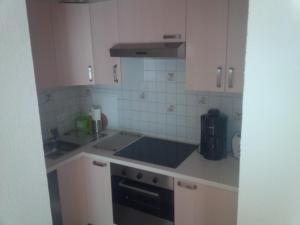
[[139, 176], [155, 180], [124, 172]]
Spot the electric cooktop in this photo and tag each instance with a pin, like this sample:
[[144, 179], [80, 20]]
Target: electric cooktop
[[157, 151]]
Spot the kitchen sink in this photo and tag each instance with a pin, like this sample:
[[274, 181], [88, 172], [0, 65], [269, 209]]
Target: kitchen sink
[[56, 149], [54, 155], [117, 141]]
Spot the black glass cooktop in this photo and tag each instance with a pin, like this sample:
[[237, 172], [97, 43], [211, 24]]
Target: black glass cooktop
[[157, 151]]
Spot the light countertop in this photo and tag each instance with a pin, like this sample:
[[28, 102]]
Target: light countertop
[[223, 174]]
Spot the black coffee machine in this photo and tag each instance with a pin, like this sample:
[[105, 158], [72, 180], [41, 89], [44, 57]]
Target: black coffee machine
[[213, 135]]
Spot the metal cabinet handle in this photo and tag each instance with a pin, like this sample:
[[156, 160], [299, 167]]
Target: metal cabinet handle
[[116, 80], [172, 36], [219, 77], [90, 73], [100, 164], [230, 77], [121, 184], [187, 186]]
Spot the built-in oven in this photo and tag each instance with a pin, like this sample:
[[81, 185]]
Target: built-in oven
[[141, 197]]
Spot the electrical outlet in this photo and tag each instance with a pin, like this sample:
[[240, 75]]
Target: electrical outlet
[[237, 116], [202, 100], [61, 117], [86, 93], [142, 95], [171, 108], [171, 77]]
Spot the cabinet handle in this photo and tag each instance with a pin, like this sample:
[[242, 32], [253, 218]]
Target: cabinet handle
[[96, 163], [230, 77], [172, 36], [187, 186], [219, 77], [154, 194], [141, 53], [116, 80], [90, 72]]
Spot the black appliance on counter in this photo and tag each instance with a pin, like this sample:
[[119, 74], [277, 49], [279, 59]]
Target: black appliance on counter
[[213, 135]]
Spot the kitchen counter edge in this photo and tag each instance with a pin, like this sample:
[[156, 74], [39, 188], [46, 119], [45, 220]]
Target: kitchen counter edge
[[92, 153]]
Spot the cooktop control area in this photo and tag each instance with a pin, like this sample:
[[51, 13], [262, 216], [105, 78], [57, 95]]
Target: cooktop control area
[[158, 151]]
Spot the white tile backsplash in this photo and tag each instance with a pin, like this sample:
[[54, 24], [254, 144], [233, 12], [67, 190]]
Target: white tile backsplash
[[166, 109], [149, 64], [152, 99], [59, 108]]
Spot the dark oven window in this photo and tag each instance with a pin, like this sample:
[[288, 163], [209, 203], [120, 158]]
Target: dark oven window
[[143, 197]]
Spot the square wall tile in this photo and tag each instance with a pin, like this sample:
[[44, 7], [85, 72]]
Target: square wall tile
[[180, 65], [149, 64], [161, 76], [160, 64], [149, 75], [171, 65]]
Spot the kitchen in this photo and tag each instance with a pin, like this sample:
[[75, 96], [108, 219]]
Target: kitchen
[[268, 191], [154, 68]]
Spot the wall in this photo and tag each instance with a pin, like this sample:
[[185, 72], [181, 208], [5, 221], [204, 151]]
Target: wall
[[152, 99], [23, 185], [269, 177], [59, 108]]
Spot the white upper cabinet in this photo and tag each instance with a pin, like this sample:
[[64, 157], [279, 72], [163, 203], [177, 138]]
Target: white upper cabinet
[[104, 26], [237, 35], [151, 21], [197, 204], [42, 43], [206, 44], [73, 43], [216, 37]]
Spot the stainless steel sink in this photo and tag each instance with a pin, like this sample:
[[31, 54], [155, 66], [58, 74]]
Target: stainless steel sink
[[117, 141], [56, 149]]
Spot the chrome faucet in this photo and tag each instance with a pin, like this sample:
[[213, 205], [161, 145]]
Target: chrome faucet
[[55, 134]]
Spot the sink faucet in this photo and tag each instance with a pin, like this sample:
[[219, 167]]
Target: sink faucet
[[54, 133]]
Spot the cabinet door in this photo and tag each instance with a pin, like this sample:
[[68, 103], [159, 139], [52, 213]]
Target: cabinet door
[[151, 21], [206, 44], [197, 204], [98, 189], [73, 43], [71, 184], [104, 36], [237, 32], [42, 43]]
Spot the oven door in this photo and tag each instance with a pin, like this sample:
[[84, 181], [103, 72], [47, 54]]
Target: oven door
[[144, 198]]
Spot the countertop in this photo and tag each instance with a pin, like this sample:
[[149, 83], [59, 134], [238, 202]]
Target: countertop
[[223, 174]]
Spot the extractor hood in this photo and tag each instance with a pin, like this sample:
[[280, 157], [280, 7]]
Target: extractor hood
[[152, 50]]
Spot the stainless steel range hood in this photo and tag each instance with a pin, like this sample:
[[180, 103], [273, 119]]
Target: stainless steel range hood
[[152, 50]]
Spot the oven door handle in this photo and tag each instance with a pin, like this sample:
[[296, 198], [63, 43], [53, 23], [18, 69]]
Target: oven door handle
[[121, 184]]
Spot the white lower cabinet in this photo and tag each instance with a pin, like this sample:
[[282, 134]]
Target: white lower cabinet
[[86, 198], [71, 185], [98, 192], [85, 192], [197, 204]]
